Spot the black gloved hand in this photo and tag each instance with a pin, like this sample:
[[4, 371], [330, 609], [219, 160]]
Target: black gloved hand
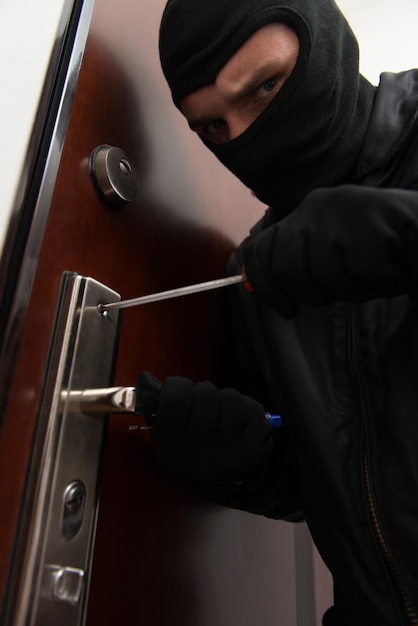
[[207, 434], [346, 243], [148, 389]]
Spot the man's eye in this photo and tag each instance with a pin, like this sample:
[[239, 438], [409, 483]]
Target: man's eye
[[268, 86], [213, 127]]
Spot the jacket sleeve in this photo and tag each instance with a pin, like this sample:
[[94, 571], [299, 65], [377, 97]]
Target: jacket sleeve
[[350, 243], [271, 492]]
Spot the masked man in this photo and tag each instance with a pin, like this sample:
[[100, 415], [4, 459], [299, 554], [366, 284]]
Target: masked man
[[329, 338]]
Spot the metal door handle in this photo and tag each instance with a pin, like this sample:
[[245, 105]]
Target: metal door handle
[[100, 401]]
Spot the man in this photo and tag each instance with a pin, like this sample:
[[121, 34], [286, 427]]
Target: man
[[329, 338]]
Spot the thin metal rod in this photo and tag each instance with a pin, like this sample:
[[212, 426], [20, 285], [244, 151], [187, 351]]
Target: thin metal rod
[[174, 293]]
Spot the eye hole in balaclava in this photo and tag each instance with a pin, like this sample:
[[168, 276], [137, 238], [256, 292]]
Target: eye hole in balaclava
[[311, 133]]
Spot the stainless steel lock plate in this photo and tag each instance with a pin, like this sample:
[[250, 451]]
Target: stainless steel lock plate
[[55, 575]]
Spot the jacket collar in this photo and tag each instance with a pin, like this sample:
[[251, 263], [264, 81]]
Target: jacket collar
[[394, 113]]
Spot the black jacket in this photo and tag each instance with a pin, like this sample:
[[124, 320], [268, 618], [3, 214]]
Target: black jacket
[[345, 379]]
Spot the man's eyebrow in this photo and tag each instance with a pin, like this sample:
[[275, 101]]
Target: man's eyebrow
[[259, 75]]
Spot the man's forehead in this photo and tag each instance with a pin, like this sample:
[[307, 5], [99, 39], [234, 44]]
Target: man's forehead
[[260, 56], [197, 37]]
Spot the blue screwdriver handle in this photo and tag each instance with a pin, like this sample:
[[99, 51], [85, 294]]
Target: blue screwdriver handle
[[274, 419]]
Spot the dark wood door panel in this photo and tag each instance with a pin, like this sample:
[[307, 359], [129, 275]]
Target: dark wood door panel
[[156, 539]]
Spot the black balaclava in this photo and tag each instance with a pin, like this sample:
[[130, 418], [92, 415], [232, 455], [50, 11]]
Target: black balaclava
[[310, 134]]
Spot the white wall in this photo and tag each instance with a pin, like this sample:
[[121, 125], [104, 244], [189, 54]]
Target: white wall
[[28, 31], [387, 34]]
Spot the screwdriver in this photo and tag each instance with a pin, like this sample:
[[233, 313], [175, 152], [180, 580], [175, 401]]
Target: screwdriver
[[176, 293], [113, 400], [275, 421]]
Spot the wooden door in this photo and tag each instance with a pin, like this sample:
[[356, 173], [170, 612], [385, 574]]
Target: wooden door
[[163, 555]]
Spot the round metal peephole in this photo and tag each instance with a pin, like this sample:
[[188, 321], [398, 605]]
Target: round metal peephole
[[114, 176]]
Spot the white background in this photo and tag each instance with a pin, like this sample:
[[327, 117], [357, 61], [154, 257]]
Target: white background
[[387, 34], [27, 34]]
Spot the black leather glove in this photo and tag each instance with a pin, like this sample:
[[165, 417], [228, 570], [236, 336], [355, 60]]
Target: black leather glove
[[207, 434], [348, 243]]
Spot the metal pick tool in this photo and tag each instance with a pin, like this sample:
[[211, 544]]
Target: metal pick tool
[[123, 399], [174, 293]]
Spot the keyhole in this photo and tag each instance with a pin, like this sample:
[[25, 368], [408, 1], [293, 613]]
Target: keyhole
[[73, 513], [125, 167]]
